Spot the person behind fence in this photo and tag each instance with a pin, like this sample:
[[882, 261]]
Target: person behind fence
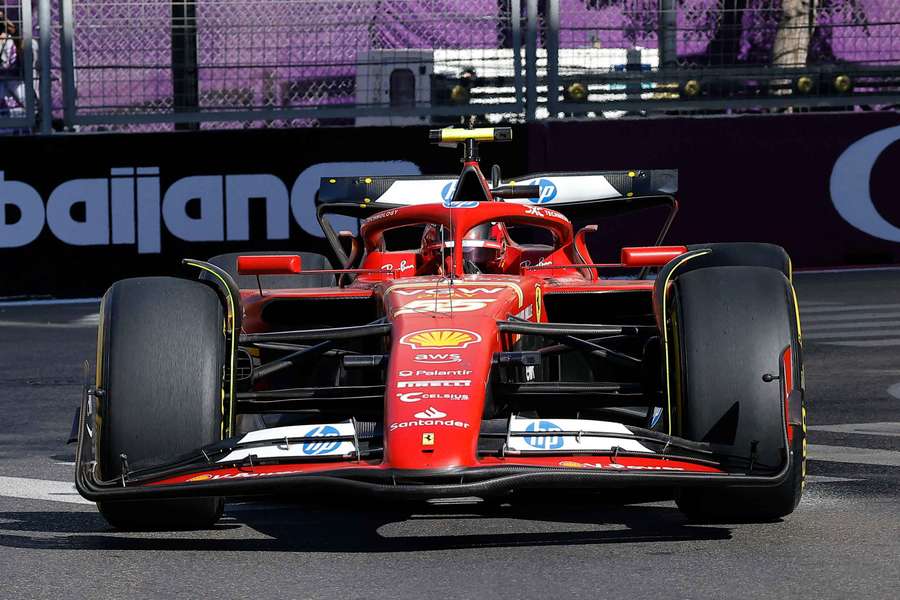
[[12, 85]]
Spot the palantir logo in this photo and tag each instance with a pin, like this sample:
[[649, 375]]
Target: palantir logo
[[548, 191], [323, 447], [544, 442]]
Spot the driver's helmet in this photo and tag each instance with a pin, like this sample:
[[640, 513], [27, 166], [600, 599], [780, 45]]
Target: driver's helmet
[[483, 246]]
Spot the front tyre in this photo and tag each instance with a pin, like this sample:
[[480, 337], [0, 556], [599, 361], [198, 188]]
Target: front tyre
[[733, 331], [161, 355]]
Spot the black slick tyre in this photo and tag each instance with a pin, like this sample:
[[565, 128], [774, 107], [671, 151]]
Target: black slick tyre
[[160, 355], [731, 327]]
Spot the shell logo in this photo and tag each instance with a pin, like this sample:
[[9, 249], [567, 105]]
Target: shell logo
[[200, 477], [434, 339]]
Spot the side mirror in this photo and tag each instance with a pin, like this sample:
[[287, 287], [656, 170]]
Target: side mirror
[[269, 265], [650, 256]]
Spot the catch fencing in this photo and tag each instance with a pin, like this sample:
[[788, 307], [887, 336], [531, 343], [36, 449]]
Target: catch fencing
[[156, 65]]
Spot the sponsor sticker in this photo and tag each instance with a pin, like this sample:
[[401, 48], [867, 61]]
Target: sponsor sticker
[[440, 339], [430, 423], [435, 373], [426, 383], [437, 358], [382, 215], [544, 442], [548, 191], [443, 305], [404, 266], [616, 466], [448, 292], [240, 475], [417, 396], [324, 442], [430, 413], [591, 436]]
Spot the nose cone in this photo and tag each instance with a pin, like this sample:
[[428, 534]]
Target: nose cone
[[442, 348]]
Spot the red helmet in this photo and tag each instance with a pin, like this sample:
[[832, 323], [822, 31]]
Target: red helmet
[[483, 246]]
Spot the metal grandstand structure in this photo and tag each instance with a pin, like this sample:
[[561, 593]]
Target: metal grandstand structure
[[156, 65]]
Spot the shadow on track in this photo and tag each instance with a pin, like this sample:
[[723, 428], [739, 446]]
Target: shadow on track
[[296, 527]]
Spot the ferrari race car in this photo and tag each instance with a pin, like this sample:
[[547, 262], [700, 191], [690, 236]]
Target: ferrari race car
[[462, 343]]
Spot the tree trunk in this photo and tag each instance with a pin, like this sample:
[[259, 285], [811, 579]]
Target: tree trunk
[[794, 32]]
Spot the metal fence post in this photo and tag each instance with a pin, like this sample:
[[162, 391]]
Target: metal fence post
[[516, 24], [46, 93], [28, 62], [553, 57], [67, 59], [668, 30], [185, 82], [531, 35]]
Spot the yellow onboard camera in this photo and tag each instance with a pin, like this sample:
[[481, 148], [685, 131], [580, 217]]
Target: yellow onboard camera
[[483, 134]]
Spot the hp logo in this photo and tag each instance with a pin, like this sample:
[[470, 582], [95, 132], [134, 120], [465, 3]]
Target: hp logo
[[447, 196], [548, 191], [544, 442], [323, 447]]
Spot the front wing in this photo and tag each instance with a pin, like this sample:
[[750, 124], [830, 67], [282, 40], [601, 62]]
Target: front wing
[[242, 473]]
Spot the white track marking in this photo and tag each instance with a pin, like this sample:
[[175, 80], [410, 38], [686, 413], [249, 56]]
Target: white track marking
[[888, 429], [16, 303], [850, 325], [40, 489], [848, 307], [844, 335], [887, 343], [844, 270], [856, 456], [871, 318], [77, 324], [826, 479]]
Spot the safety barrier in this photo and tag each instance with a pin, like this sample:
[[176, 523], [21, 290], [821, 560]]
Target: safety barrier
[[144, 65]]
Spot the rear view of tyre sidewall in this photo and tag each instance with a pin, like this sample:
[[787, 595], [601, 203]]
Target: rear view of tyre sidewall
[[161, 351], [732, 326]]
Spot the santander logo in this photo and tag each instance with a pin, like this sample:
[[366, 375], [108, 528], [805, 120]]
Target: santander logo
[[430, 413]]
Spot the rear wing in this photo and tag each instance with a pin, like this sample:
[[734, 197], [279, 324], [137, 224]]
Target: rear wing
[[577, 196], [561, 190]]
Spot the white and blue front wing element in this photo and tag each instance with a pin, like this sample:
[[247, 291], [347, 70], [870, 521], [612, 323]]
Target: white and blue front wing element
[[570, 435], [296, 441]]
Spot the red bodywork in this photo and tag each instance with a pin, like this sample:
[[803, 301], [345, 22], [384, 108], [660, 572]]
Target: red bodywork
[[445, 335]]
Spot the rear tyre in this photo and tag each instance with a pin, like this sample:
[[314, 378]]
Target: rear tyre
[[161, 353], [730, 327]]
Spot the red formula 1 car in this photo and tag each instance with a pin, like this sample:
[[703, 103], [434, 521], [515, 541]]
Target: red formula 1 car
[[463, 343]]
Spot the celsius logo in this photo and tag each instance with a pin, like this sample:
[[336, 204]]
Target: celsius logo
[[548, 191], [850, 184], [132, 206], [325, 446], [544, 442]]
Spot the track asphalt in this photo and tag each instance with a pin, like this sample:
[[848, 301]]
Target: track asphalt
[[843, 541]]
